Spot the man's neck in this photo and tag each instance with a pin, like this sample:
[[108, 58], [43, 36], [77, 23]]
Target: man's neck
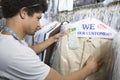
[[15, 27]]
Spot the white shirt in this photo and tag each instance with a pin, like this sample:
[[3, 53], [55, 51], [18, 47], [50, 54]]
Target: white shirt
[[19, 62]]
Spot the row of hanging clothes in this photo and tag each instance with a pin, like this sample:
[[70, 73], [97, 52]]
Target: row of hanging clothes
[[56, 6], [70, 52], [50, 29], [42, 35]]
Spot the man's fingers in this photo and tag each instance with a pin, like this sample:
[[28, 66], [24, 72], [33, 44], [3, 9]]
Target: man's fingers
[[100, 63]]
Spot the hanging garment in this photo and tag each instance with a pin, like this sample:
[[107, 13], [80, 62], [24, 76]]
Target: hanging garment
[[107, 2], [41, 35], [83, 2], [87, 2], [116, 22], [114, 73], [49, 50], [71, 52], [65, 5], [67, 60], [52, 32], [55, 8]]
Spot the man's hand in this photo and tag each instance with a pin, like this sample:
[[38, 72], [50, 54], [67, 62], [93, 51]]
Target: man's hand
[[57, 36], [93, 65]]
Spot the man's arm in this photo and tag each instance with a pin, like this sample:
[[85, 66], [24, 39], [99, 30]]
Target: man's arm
[[91, 67], [43, 45]]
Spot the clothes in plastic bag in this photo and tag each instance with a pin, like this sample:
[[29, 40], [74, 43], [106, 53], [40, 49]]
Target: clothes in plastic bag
[[114, 73], [68, 57]]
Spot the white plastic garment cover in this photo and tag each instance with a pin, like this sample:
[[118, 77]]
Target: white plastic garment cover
[[72, 51], [115, 70]]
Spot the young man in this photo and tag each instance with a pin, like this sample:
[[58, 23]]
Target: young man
[[18, 61]]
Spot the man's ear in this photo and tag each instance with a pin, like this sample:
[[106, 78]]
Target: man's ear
[[23, 12]]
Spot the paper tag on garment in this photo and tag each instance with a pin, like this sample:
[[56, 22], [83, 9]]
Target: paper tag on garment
[[91, 27], [72, 39]]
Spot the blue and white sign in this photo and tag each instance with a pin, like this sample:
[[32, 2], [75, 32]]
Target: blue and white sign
[[92, 28]]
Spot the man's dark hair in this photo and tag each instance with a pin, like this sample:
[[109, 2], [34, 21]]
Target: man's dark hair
[[11, 8]]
